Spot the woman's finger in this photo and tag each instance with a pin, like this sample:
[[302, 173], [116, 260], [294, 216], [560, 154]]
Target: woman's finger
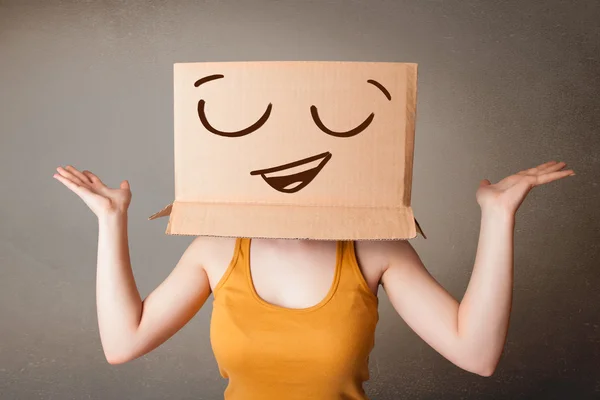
[[77, 189], [543, 168], [93, 178], [69, 176], [552, 176], [545, 165], [78, 174], [553, 167]]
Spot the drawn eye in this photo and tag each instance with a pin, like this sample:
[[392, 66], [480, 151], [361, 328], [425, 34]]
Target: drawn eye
[[352, 132], [246, 131]]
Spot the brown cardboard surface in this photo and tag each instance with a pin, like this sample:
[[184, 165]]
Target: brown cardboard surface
[[317, 150]]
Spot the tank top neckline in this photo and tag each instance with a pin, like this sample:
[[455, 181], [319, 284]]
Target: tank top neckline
[[332, 289]]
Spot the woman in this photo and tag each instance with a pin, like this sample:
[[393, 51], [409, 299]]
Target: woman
[[300, 322]]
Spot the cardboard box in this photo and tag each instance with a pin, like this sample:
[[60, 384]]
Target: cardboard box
[[282, 149]]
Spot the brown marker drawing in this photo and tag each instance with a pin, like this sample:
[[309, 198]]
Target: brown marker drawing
[[293, 182], [208, 79], [239, 133], [210, 128], [352, 132], [284, 183], [380, 87]]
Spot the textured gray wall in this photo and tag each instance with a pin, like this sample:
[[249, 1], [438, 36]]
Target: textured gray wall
[[502, 86]]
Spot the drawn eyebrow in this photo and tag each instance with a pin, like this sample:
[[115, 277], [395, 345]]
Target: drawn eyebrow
[[381, 87], [207, 79]]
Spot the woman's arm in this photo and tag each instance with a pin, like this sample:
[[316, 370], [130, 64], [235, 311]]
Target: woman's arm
[[484, 311], [118, 302], [471, 334], [130, 327]]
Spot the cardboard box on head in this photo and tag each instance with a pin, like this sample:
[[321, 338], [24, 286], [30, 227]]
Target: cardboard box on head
[[282, 149]]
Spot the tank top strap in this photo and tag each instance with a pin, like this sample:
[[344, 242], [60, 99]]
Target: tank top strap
[[243, 267], [234, 271], [352, 276], [244, 256]]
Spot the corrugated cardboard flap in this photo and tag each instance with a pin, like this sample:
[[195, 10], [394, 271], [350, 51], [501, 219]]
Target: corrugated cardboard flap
[[290, 221], [162, 213]]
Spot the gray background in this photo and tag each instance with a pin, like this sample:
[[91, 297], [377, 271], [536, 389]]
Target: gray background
[[503, 86]]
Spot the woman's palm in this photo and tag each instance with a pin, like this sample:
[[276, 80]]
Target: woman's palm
[[99, 198]]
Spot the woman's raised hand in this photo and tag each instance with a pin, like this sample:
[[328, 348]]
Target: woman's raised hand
[[509, 193], [101, 199]]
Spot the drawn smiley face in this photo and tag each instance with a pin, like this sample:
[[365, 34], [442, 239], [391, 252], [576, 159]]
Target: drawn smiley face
[[296, 175]]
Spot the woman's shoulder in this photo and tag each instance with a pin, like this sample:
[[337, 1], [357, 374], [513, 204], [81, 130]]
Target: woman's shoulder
[[211, 250], [380, 252]]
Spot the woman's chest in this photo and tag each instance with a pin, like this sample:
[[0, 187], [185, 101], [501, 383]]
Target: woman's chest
[[295, 278]]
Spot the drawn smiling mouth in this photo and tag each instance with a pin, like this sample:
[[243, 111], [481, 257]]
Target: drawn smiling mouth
[[293, 180]]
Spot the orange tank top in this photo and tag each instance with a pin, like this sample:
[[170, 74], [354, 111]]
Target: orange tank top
[[272, 352]]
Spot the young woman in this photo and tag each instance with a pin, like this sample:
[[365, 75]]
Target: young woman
[[295, 319]]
